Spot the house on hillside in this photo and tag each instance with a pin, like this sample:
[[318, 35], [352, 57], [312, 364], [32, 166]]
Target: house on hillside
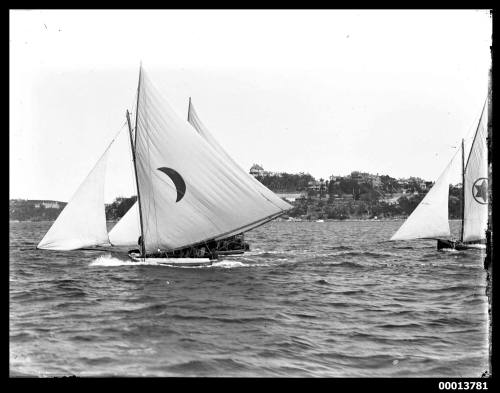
[[46, 204], [366, 178], [317, 186], [257, 170], [313, 185]]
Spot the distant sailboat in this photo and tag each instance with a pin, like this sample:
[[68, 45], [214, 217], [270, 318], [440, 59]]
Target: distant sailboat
[[190, 193], [430, 218]]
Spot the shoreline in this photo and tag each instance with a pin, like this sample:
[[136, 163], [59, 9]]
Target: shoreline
[[276, 219], [353, 219]]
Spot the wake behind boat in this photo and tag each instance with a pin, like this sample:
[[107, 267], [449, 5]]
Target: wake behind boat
[[193, 201], [429, 220]]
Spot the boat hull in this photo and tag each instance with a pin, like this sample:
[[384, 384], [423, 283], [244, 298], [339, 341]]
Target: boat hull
[[193, 262], [458, 245], [231, 252]]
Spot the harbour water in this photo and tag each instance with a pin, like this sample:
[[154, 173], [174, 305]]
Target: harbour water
[[329, 299]]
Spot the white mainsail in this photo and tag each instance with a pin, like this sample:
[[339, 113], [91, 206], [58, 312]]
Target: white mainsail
[[127, 231], [476, 186], [430, 217], [82, 223], [190, 192]]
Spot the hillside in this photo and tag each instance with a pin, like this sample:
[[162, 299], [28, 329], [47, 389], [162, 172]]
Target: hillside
[[361, 196]]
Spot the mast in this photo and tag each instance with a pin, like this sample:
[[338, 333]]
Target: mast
[[463, 192], [132, 146], [189, 107]]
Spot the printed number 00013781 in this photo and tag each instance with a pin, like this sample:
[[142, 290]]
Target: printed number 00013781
[[463, 385]]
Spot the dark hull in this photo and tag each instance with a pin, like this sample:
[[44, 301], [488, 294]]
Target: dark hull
[[458, 245], [231, 246], [164, 260], [231, 252]]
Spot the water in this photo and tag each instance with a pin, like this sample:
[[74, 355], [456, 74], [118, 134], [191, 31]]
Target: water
[[325, 299]]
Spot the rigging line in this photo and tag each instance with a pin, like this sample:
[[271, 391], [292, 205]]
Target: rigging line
[[283, 210], [476, 120], [132, 168], [134, 110], [104, 185], [475, 135], [133, 147], [112, 141], [147, 125], [237, 231], [134, 184], [109, 145], [119, 131]]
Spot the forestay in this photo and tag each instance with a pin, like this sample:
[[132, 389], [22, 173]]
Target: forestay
[[82, 223], [208, 197], [430, 217], [476, 185]]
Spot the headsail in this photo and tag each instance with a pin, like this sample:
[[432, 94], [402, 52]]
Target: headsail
[[266, 193], [217, 199], [476, 185], [127, 230], [430, 217], [82, 223]]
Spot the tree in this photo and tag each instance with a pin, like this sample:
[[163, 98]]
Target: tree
[[119, 207]]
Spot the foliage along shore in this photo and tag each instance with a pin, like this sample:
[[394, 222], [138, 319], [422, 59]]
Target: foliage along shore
[[343, 198]]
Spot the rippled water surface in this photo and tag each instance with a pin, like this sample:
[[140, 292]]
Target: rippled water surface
[[330, 299]]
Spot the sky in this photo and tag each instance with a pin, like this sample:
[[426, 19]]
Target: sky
[[324, 92]]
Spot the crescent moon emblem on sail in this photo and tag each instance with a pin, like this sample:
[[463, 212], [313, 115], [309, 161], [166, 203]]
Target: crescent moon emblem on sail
[[177, 179]]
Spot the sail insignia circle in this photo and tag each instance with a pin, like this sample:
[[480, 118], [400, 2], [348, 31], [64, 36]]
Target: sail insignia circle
[[177, 179], [480, 190]]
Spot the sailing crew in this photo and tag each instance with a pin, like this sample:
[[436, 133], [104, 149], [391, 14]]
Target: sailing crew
[[201, 252]]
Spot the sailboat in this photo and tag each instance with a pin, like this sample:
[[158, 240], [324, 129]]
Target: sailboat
[[190, 193], [429, 220]]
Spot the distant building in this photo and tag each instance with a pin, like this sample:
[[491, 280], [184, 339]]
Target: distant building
[[257, 170], [375, 181], [316, 185], [46, 204], [356, 176], [313, 185], [292, 197], [392, 201], [403, 184], [366, 178]]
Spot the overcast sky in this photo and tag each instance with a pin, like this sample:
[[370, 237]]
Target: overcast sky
[[324, 92]]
